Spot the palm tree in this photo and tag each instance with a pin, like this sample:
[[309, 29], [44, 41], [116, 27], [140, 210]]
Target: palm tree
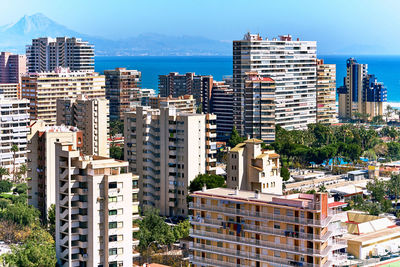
[[23, 169], [14, 149], [3, 172], [389, 112]]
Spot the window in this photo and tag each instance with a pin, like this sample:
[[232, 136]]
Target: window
[[113, 251], [112, 199], [112, 225], [277, 225], [277, 211], [112, 185], [289, 212], [113, 238], [112, 212]]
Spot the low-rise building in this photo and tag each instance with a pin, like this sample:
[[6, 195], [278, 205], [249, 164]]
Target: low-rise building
[[251, 168], [243, 228]]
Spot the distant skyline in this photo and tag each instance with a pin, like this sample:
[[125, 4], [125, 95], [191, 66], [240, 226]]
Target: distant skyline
[[339, 27]]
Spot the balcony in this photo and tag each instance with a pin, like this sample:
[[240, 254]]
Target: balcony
[[262, 215], [261, 243], [267, 230], [251, 256]]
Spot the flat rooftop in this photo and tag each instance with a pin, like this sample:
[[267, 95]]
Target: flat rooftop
[[376, 236]]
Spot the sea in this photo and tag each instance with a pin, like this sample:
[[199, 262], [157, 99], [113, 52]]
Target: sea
[[385, 68]]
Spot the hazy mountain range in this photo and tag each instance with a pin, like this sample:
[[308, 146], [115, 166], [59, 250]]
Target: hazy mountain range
[[14, 37]]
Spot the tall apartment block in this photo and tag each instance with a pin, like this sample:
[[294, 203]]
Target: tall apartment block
[[175, 85], [43, 89], [291, 64], [121, 87], [222, 107], [211, 143], [94, 208], [46, 54], [242, 228], [91, 117], [251, 168], [12, 67], [259, 107], [360, 93], [184, 103], [10, 90], [14, 122], [326, 93], [167, 149], [42, 161]]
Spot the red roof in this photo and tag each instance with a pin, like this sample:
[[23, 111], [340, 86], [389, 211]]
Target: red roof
[[336, 204]]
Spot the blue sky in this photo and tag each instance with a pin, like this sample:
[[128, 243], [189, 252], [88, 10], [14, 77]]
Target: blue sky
[[337, 25]]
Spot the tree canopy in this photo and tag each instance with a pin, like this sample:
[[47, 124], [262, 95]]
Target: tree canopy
[[235, 138], [210, 180]]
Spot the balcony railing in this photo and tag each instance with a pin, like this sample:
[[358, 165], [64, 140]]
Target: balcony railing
[[264, 215], [251, 255]]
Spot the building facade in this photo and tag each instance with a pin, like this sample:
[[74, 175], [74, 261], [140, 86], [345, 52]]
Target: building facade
[[42, 161], [361, 93], [326, 93], [45, 54], [91, 117], [167, 149], [10, 90], [43, 90], [94, 208], [121, 87], [251, 168], [184, 103], [14, 122], [242, 228], [12, 67], [222, 107], [259, 107], [291, 64], [175, 85]]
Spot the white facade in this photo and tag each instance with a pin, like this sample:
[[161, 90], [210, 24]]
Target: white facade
[[167, 150], [94, 209], [14, 122], [291, 64]]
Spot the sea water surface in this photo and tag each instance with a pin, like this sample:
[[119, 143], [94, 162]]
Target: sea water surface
[[385, 68]]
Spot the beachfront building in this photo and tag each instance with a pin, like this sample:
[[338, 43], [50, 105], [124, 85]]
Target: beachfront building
[[291, 64], [121, 86], [259, 107], [14, 122], [42, 161], [326, 93], [222, 107], [43, 89], [361, 93], [175, 85], [251, 168], [45, 54], [167, 149], [91, 117], [12, 67], [244, 228], [94, 209]]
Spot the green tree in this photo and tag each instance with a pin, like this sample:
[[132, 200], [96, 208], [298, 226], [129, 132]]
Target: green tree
[[181, 230], [154, 229], [116, 127], [210, 180], [377, 119], [116, 152], [394, 186], [393, 150], [199, 108], [4, 203], [322, 189], [51, 220], [285, 173], [5, 186], [21, 189], [235, 138], [21, 214], [3, 172], [377, 189], [37, 250]]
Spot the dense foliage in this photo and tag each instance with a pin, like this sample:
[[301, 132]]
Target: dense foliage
[[235, 138], [5, 186], [116, 127], [210, 180], [116, 152]]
